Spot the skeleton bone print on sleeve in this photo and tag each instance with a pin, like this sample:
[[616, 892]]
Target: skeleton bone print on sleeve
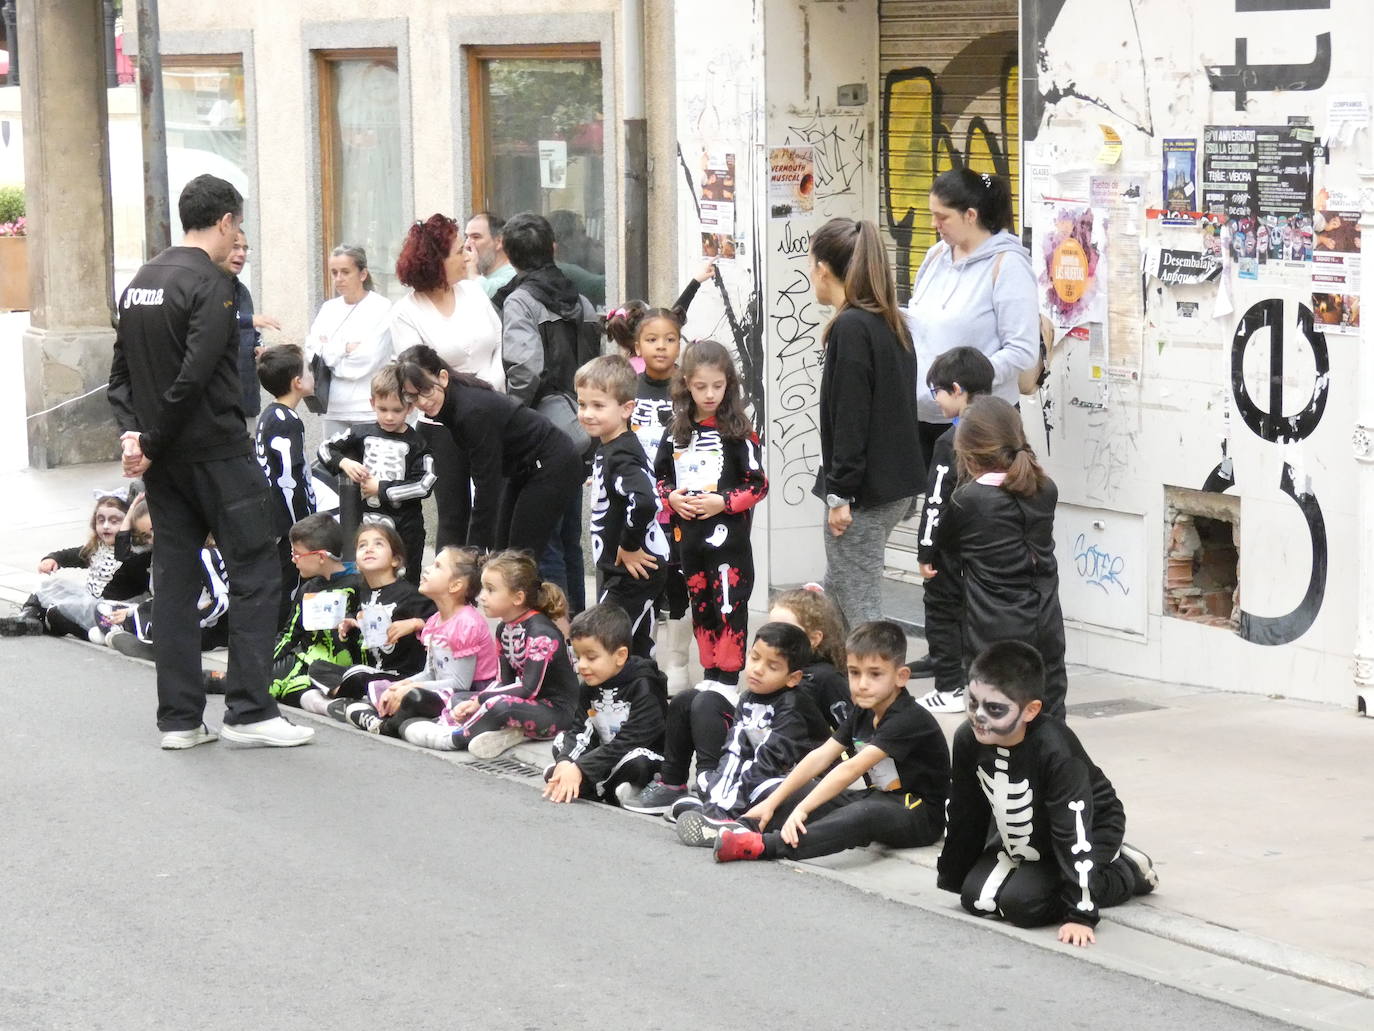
[[600, 504], [386, 460]]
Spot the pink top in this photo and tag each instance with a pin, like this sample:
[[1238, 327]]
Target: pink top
[[637, 363], [464, 633]]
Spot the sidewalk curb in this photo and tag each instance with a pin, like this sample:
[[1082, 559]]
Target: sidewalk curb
[[1313, 985]]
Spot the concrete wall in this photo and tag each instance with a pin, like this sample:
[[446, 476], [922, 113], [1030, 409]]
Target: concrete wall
[[1191, 407]]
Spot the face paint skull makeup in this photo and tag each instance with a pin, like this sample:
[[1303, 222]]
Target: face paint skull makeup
[[996, 719]]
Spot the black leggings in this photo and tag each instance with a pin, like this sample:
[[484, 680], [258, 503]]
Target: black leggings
[[698, 721], [452, 488], [635, 772], [944, 604], [636, 597], [853, 819], [535, 500]]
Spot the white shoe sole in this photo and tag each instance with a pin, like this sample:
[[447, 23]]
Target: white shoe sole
[[942, 705], [239, 737], [173, 742], [492, 743]]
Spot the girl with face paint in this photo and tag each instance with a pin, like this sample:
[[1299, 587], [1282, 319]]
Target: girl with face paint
[[998, 527], [1058, 856]]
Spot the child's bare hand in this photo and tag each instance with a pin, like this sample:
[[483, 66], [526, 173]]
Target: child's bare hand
[[707, 271], [391, 698], [346, 626], [565, 784], [795, 827], [928, 571], [763, 813], [708, 505], [115, 617], [355, 471], [464, 709], [402, 628], [1076, 934], [639, 564], [48, 565], [370, 487], [682, 504]]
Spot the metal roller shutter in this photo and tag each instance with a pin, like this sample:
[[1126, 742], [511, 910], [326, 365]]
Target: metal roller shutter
[[949, 97]]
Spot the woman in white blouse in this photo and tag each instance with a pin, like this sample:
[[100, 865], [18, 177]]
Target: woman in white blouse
[[451, 313], [349, 333]]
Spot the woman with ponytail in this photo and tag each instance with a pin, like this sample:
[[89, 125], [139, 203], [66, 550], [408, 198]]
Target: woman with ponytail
[[871, 466], [998, 527], [975, 288]]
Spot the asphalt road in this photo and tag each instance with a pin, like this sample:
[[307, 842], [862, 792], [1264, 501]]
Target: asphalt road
[[351, 885]]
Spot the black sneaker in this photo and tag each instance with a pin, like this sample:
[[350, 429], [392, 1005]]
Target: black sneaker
[[1146, 880], [364, 717], [21, 625], [656, 798], [686, 804], [338, 708], [696, 828]]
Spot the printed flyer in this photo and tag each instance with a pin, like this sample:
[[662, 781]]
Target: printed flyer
[[791, 181], [1180, 182], [1336, 269], [1260, 177], [1070, 260]]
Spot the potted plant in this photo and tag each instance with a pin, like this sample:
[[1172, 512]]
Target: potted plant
[[14, 254]]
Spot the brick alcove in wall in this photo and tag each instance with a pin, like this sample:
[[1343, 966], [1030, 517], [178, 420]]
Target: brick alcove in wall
[[1202, 557]]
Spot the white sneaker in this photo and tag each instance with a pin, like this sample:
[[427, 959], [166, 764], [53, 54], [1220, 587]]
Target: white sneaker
[[95, 635], [943, 701], [427, 734], [278, 732], [174, 740], [492, 743]]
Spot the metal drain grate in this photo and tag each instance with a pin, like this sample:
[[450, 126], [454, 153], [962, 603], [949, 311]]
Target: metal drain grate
[[1112, 707], [507, 766]]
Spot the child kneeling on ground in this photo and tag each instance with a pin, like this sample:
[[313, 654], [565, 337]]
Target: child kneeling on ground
[[1058, 856], [614, 745], [775, 725], [894, 744]]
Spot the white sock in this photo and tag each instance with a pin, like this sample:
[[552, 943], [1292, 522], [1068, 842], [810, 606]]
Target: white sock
[[313, 700]]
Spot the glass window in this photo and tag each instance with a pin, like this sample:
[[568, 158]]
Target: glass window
[[207, 127], [539, 145], [360, 167]]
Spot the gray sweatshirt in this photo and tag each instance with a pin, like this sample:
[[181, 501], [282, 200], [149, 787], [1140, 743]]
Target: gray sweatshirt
[[958, 303]]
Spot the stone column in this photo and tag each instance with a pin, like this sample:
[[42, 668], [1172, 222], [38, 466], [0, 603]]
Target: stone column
[[1364, 473], [67, 184]]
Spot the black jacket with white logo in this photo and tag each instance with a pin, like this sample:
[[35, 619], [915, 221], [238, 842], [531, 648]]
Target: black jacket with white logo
[[175, 373]]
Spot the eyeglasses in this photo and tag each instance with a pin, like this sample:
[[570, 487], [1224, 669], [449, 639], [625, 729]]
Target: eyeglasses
[[425, 392], [296, 556]]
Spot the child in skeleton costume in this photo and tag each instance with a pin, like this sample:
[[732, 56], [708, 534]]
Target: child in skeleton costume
[[955, 378], [881, 777], [390, 462], [824, 677], [613, 747], [115, 570], [1057, 855], [329, 595], [775, 725], [129, 629], [535, 695], [458, 659], [710, 473], [280, 442], [629, 547], [391, 616], [998, 527]]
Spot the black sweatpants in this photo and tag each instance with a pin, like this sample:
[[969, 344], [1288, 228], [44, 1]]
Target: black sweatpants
[[410, 524], [636, 772], [1028, 894], [637, 598], [944, 603], [452, 486], [536, 499], [698, 722], [854, 819], [229, 498]]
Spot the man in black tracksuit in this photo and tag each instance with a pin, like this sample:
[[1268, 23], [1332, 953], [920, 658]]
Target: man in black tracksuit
[[174, 387]]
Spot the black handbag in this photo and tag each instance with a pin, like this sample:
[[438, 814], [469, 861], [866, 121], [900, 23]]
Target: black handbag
[[318, 402]]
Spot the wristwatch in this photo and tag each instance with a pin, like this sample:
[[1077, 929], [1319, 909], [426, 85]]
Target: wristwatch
[[835, 501]]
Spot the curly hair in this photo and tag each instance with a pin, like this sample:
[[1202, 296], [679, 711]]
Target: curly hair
[[623, 323], [426, 248]]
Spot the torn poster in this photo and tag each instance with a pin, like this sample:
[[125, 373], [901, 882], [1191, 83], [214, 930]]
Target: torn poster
[[1182, 268]]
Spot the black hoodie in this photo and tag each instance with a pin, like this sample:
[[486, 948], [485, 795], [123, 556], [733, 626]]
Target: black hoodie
[[617, 717]]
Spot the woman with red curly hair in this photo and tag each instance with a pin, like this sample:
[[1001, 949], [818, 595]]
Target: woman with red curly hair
[[448, 310]]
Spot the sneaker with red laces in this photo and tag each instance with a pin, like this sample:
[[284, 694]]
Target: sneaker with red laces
[[738, 843]]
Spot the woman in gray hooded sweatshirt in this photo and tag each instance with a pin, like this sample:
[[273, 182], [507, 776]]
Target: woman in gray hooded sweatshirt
[[975, 288]]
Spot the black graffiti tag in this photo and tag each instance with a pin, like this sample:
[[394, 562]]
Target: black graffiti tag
[[1269, 423]]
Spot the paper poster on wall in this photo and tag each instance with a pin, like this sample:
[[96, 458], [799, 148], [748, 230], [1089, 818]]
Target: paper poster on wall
[[791, 181], [553, 164], [1182, 268], [1070, 259], [717, 176], [721, 246], [1180, 182], [1336, 268], [1121, 199], [1260, 177]]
